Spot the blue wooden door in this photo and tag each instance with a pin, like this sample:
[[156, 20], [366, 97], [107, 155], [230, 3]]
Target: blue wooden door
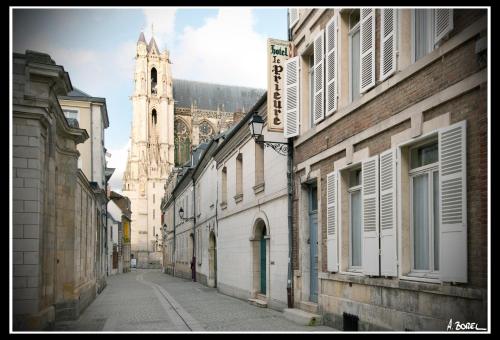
[[313, 242], [263, 265]]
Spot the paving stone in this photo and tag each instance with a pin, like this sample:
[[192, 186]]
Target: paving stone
[[131, 304]]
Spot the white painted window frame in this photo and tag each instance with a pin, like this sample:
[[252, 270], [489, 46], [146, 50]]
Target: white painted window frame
[[341, 172], [77, 111], [352, 31], [350, 191], [428, 170], [409, 143], [310, 74], [431, 45]]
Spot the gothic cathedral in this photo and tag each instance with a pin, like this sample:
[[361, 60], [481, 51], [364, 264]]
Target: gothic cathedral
[[163, 135]]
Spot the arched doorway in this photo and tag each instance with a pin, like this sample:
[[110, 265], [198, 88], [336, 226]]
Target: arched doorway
[[260, 252], [212, 260]]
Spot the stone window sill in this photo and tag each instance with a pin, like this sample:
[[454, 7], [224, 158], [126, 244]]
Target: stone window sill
[[238, 198], [259, 188]]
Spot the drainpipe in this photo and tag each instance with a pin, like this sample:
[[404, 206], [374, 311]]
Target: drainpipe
[[289, 286], [290, 222], [175, 254], [194, 230]]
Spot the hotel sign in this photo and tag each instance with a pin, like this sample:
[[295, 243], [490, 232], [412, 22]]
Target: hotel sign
[[278, 51]]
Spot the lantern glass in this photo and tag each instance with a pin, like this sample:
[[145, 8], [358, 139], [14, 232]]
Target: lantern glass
[[256, 125], [181, 212]]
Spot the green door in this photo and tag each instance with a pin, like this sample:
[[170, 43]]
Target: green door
[[263, 265]]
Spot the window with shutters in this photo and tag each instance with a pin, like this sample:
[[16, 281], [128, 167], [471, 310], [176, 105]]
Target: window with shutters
[[311, 89], [291, 83], [429, 27], [331, 56], [319, 77], [388, 41], [355, 231], [423, 32], [293, 16], [424, 209], [367, 49], [349, 208], [354, 55]]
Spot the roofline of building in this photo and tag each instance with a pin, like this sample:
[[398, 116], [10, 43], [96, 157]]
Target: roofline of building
[[242, 122], [218, 84]]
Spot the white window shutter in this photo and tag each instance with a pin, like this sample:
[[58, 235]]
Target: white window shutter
[[388, 42], [453, 203], [370, 216], [388, 247], [331, 221], [443, 23], [331, 66], [292, 98], [367, 49], [319, 78], [294, 16]]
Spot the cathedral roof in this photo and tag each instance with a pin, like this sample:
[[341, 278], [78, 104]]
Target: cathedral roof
[[152, 45], [142, 38], [209, 96]]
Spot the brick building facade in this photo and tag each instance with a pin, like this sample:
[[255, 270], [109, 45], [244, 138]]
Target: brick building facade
[[395, 146]]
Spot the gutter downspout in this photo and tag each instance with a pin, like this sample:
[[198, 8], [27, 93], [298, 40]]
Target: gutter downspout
[[194, 229], [175, 254], [289, 285]]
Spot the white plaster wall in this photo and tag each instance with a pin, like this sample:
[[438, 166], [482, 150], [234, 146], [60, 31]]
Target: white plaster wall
[[206, 210], [184, 228], [235, 223], [98, 161], [234, 253], [234, 248]]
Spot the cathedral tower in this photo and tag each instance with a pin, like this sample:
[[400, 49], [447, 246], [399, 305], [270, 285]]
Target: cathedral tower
[[151, 153]]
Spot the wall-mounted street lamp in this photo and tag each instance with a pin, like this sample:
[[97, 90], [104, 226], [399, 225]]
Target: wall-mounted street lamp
[[256, 125], [181, 215]]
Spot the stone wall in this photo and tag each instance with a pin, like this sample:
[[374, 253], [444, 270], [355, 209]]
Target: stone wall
[[44, 181]]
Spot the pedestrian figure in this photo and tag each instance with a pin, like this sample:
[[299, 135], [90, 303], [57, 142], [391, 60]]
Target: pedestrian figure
[[193, 270]]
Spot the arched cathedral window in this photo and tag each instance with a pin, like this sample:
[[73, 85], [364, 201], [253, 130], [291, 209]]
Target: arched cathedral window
[[206, 132], [154, 80], [153, 116], [182, 142]]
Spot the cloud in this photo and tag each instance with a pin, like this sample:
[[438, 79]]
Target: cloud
[[163, 20], [118, 161], [226, 50]]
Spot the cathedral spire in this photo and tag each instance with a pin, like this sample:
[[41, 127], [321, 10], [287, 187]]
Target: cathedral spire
[[152, 46], [141, 38]]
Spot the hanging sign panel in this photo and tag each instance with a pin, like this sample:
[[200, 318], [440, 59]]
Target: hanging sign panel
[[278, 51]]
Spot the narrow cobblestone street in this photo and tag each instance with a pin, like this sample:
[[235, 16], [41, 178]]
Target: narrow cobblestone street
[[143, 301]]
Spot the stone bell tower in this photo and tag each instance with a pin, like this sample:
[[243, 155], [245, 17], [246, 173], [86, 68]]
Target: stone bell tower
[[151, 153]]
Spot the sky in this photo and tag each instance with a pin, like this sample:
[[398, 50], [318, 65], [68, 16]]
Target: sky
[[96, 46]]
